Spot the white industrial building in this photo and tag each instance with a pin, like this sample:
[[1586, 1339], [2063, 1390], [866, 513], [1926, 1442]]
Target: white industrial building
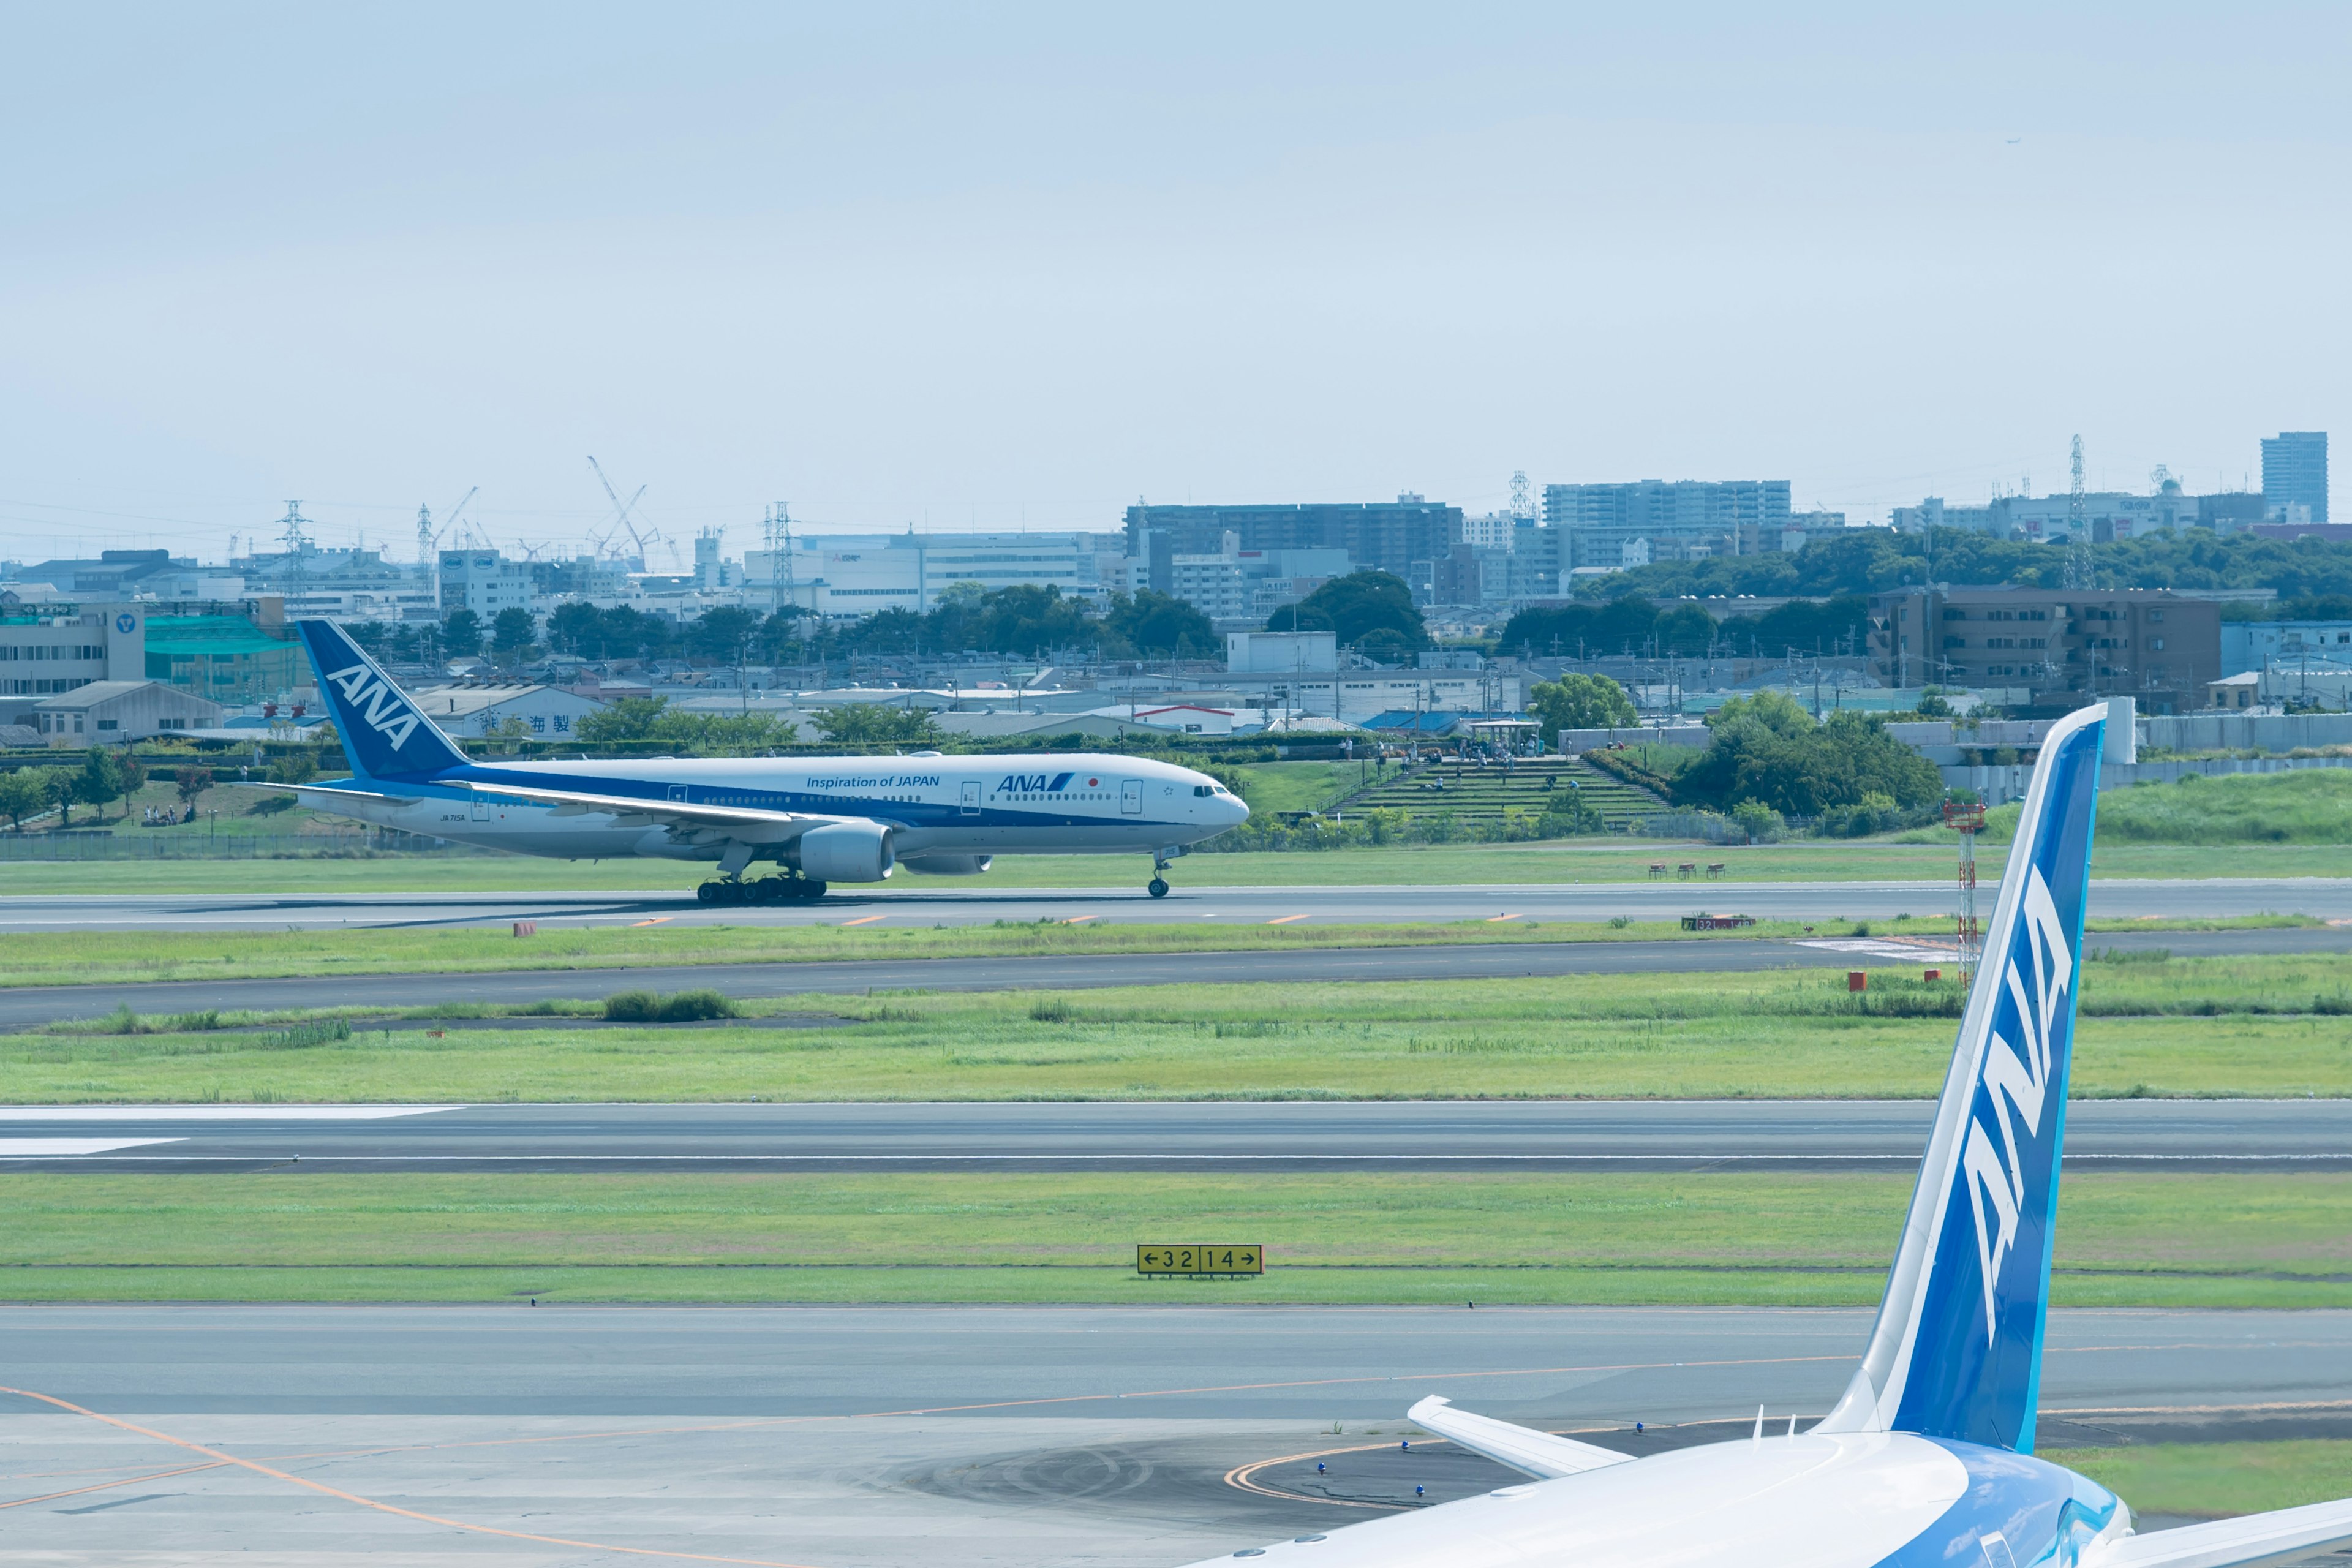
[[847, 574], [484, 708], [103, 712]]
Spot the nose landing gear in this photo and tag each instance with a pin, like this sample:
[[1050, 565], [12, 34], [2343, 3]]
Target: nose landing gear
[[1158, 886]]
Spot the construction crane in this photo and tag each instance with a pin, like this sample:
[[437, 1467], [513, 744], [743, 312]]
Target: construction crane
[[428, 538]]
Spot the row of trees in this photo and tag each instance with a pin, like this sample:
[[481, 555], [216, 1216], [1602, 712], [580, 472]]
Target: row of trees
[[1372, 611], [104, 777], [1873, 560], [1629, 624]]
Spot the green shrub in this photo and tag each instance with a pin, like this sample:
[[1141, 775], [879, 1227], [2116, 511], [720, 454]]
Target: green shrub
[[632, 1007], [684, 1007]]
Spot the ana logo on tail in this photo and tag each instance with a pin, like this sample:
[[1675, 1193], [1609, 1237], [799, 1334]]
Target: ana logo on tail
[[2015, 1084], [373, 699]]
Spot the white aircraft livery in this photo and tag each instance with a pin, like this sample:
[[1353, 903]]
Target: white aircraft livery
[[819, 819], [1927, 1461]]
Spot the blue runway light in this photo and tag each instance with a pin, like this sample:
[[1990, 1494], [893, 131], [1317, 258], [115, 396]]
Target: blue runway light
[[1419, 1490]]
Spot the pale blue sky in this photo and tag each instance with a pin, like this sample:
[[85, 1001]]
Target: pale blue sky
[[954, 265]]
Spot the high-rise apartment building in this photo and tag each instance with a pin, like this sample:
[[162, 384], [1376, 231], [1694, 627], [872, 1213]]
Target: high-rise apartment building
[[2295, 473], [1686, 520]]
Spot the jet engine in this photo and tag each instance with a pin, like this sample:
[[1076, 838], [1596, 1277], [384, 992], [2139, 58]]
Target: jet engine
[[843, 852]]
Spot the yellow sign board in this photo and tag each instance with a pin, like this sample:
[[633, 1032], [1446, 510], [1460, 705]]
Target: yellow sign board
[[1234, 1258]]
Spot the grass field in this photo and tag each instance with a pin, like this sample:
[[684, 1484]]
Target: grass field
[[2123, 1240], [2263, 1026], [2215, 1480], [1552, 861], [86, 958]]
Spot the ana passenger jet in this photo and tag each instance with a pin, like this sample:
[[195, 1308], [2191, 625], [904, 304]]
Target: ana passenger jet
[[821, 819], [1927, 1461]]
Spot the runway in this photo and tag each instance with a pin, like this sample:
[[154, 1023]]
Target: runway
[[25, 1006], [845, 1437], [931, 904], [1525, 1136]]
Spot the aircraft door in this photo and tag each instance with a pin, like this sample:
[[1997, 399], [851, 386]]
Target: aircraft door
[[481, 808], [971, 798], [1130, 797]]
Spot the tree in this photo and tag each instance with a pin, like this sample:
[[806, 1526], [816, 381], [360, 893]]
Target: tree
[[192, 784], [512, 635], [101, 779], [62, 787], [723, 636], [295, 765], [1580, 702], [461, 633], [24, 793], [1370, 611], [877, 724], [1766, 749], [1161, 626], [630, 719], [132, 776]]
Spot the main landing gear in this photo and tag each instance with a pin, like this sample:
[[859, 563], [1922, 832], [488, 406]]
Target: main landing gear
[[761, 890]]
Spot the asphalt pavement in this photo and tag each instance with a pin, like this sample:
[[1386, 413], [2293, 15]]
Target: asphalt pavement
[[1224, 1137], [884, 1437], [931, 904]]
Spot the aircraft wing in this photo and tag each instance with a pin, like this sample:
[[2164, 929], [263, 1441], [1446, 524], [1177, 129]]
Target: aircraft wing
[[2249, 1542], [1525, 1450], [773, 825]]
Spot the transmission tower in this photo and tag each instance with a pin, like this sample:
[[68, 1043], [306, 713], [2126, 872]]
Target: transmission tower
[[1523, 499], [294, 539], [780, 557], [2078, 542]]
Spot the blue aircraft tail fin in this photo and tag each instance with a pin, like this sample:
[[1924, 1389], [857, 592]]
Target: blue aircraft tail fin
[[1957, 1352], [384, 733]]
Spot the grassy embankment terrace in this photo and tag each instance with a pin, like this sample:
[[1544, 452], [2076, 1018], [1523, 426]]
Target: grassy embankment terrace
[[1816, 1240], [2215, 1480], [111, 958], [1550, 861], [2266, 1026]]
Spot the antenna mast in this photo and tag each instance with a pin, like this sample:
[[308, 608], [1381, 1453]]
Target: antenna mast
[[2078, 547]]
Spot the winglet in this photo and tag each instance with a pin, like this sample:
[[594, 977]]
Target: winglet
[[384, 733], [1957, 1351]]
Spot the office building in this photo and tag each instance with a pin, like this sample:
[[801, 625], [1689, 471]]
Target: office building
[[853, 574], [45, 650], [1403, 537], [2064, 647], [2295, 473], [1649, 519], [485, 581]]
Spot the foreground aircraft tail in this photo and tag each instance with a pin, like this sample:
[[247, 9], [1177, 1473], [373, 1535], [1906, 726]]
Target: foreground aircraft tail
[[384, 735], [1957, 1352]]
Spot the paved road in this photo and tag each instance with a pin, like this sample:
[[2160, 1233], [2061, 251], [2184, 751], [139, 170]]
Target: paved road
[[27, 1006], [979, 905], [1570, 1365], [890, 1438], [2300, 1134]]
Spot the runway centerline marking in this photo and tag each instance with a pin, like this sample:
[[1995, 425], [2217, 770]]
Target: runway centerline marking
[[657, 919], [864, 919], [1284, 920], [1498, 920]]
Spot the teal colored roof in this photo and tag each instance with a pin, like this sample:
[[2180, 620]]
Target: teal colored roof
[[208, 634]]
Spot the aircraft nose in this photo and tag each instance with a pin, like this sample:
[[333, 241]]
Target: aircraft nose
[[1240, 808]]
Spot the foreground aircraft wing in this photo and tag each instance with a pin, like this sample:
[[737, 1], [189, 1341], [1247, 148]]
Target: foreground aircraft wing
[[576, 803], [1525, 1450], [2249, 1542]]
